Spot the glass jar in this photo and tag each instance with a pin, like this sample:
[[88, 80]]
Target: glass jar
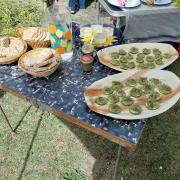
[[87, 62]]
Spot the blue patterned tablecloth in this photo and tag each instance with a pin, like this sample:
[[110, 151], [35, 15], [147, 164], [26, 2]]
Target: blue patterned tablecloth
[[64, 90]]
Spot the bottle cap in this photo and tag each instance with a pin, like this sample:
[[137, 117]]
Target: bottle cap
[[86, 59]]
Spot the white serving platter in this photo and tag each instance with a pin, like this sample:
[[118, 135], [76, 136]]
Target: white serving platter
[[104, 54], [157, 2], [125, 3], [166, 103]]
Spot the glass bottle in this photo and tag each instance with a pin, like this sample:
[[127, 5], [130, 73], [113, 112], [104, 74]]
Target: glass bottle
[[60, 29]]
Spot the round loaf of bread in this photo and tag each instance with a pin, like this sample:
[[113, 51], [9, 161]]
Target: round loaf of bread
[[36, 37], [11, 49]]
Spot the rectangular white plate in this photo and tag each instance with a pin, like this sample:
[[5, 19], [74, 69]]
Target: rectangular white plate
[[166, 76], [104, 54]]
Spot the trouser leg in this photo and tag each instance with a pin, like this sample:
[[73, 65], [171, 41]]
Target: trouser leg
[[73, 4], [82, 4]]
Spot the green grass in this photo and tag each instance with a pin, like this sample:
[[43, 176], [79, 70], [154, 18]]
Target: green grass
[[58, 147], [175, 69], [28, 13], [159, 147]]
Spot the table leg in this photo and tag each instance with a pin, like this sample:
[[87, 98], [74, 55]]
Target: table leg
[[7, 120], [126, 23], [118, 22], [98, 11], [117, 163]]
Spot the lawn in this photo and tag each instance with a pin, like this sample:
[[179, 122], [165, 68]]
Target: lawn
[[46, 147]]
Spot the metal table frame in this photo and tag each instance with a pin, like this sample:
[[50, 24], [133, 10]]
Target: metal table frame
[[6, 118], [13, 130]]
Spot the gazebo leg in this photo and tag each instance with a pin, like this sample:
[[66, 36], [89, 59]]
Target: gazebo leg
[[7, 120], [117, 163]]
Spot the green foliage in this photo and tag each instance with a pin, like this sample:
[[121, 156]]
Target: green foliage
[[15, 13], [73, 175], [177, 3]]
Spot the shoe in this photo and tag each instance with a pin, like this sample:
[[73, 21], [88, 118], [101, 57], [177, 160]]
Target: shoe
[[71, 10]]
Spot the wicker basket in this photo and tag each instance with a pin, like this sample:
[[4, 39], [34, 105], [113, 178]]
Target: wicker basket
[[19, 30], [31, 42], [38, 44], [12, 59], [38, 74], [43, 73]]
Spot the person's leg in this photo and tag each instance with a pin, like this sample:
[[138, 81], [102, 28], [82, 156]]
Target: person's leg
[[82, 4], [73, 5]]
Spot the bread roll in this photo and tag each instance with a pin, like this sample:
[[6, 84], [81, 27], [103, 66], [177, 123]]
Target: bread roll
[[37, 56]]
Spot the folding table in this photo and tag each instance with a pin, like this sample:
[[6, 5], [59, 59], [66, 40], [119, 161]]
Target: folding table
[[146, 23], [62, 94]]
